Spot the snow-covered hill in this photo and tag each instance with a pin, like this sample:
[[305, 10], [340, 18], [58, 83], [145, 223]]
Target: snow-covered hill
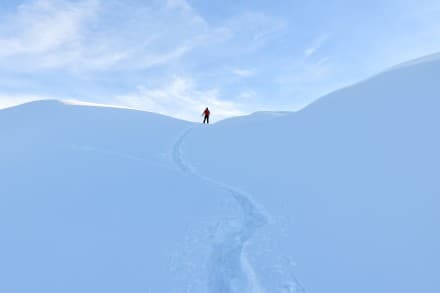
[[342, 196], [90, 202], [354, 178]]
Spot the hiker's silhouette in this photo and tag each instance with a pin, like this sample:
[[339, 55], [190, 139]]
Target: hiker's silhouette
[[206, 114]]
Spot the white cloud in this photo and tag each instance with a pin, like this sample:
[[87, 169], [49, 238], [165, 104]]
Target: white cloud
[[107, 45], [241, 72], [252, 30], [43, 26], [181, 99], [316, 44], [78, 36], [247, 94], [184, 7], [95, 35], [261, 25]]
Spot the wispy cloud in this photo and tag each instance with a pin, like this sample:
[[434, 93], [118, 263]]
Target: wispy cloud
[[254, 30], [43, 26], [238, 59], [242, 72], [246, 95], [180, 98], [76, 36], [44, 34], [316, 44]]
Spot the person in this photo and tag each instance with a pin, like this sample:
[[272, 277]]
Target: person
[[206, 113]]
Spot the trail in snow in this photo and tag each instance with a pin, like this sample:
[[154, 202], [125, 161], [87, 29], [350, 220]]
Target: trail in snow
[[229, 270]]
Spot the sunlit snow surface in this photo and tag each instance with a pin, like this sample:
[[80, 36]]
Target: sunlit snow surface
[[342, 196]]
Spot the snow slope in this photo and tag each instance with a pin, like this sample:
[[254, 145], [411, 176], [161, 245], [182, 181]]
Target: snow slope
[[92, 202], [352, 183], [339, 197]]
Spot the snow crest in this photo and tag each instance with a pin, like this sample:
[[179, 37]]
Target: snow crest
[[230, 270]]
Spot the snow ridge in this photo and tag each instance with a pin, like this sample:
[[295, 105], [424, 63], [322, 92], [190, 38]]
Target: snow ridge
[[230, 270]]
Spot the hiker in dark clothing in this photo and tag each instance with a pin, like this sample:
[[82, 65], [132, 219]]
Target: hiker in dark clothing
[[206, 113]]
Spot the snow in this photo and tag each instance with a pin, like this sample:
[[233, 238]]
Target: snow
[[229, 270], [353, 178], [339, 197], [256, 117], [423, 60]]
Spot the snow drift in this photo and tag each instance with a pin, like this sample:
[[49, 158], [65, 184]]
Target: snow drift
[[339, 197], [353, 177]]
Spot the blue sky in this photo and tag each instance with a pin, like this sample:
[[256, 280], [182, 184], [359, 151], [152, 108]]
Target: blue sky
[[175, 57]]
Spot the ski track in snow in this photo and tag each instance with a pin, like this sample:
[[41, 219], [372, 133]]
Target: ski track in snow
[[230, 270]]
